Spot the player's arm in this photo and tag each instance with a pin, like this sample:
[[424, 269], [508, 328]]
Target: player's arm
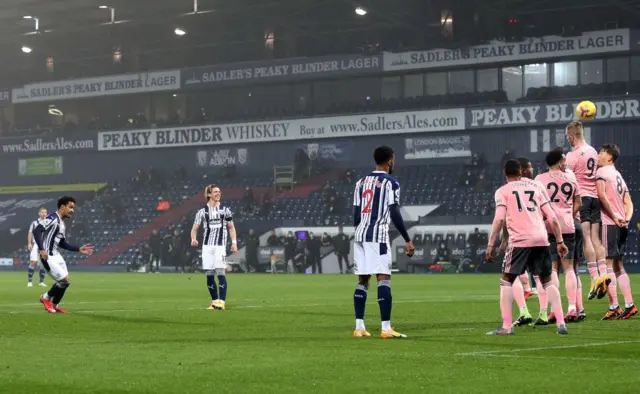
[[394, 210], [497, 227], [196, 226], [30, 236], [628, 207], [604, 200], [67, 246], [232, 232], [38, 232], [357, 215], [505, 238]]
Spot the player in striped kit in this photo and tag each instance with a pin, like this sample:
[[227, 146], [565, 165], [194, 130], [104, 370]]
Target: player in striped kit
[[32, 247], [50, 238], [217, 222], [376, 203]]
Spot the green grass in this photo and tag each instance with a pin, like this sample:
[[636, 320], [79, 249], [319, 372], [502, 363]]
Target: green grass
[[141, 333]]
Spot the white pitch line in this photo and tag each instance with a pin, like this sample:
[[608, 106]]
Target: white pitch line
[[562, 358], [532, 349]]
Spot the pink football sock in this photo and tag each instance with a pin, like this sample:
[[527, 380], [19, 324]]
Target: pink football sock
[[506, 304], [518, 293], [571, 285], [556, 302], [579, 303], [612, 290], [555, 279], [593, 270], [625, 287], [602, 267], [524, 278], [542, 294]]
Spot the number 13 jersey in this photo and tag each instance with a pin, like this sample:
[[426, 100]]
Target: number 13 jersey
[[523, 200], [583, 161], [373, 196]]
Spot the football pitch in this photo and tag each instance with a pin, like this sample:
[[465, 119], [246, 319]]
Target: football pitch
[[145, 333]]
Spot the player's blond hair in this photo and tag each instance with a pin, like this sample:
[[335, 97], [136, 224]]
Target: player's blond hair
[[43, 209], [576, 128]]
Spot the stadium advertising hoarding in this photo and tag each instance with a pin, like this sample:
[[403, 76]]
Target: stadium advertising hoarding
[[437, 147], [222, 157], [286, 130], [533, 114], [5, 97], [44, 144], [146, 82], [605, 41], [280, 70], [40, 166]]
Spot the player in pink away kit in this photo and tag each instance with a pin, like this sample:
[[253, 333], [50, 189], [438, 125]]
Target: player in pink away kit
[[617, 209], [564, 196], [522, 203], [583, 161], [521, 286]]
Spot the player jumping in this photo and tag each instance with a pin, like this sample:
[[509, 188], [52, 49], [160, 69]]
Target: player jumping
[[217, 221], [583, 161], [32, 247], [376, 201], [50, 236], [564, 196], [522, 203], [617, 209]]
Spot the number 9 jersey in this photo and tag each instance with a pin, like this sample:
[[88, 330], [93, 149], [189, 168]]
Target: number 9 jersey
[[372, 197], [583, 161]]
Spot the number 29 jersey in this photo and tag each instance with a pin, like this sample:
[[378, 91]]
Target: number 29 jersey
[[583, 161], [373, 195], [523, 200], [561, 188]]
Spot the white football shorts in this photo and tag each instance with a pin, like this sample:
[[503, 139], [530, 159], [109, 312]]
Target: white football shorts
[[35, 253], [55, 267], [371, 258], [214, 257]]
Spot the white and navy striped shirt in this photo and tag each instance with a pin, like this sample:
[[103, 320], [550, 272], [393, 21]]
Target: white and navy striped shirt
[[32, 227], [214, 221], [373, 196], [53, 234]]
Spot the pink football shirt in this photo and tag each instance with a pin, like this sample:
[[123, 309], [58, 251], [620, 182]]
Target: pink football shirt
[[524, 200], [561, 190], [572, 177], [615, 188], [583, 161]]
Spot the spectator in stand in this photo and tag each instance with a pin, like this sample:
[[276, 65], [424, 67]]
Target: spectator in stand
[[251, 251], [482, 186], [342, 246], [290, 250], [443, 254], [325, 241], [465, 179], [248, 200], [315, 257], [273, 239], [155, 243], [266, 204]]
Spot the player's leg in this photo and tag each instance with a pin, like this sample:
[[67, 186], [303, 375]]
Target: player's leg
[[514, 265], [57, 269], [630, 309], [519, 296], [577, 256], [541, 261], [610, 235], [526, 285], [382, 251], [599, 247], [360, 294], [534, 286], [570, 279], [209, 269], [221, 270], [588, 250]]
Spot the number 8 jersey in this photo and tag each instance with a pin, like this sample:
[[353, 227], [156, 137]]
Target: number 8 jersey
[[524, 200], [372, 197], [583, 161]]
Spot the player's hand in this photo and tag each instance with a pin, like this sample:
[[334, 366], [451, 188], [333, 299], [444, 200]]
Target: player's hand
[[44, 255], [28, 247], [503, 247], [410, 249], [87, 249], [194, 242], [563, 250], [620, 222], [489, 254], [234, 248]]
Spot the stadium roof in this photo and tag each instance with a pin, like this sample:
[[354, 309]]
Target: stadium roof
[[79, 36]]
